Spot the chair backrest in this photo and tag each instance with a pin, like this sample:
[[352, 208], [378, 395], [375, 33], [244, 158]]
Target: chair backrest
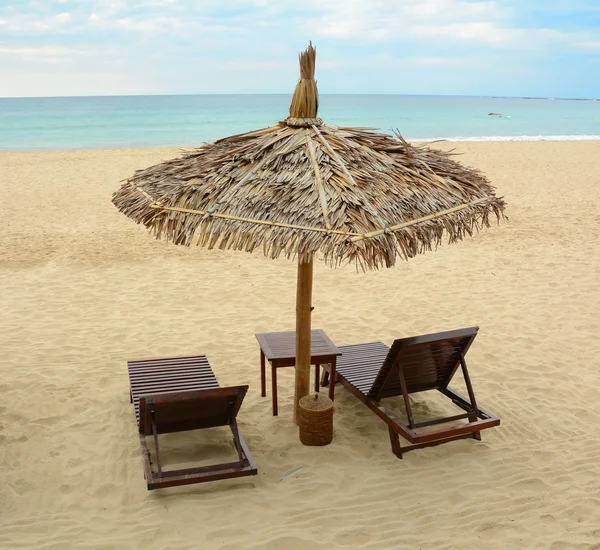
[[428, 362], [191, 410]]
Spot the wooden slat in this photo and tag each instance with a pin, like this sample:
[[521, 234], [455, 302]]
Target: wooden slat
[[163, 391], [176, 375], [174, 366], [359, 364], [169, 375], [282, 345], [427, 362], [169, 360], [157, 387]]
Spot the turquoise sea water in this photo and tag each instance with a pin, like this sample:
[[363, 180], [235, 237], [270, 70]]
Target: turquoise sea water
[[187, 120]]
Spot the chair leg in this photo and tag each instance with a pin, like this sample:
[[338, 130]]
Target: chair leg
[[332, 367], [263, 378], [473, 418], [274, 384], [395, 441], [325, 378], [155, 433], [317, 369], [236, 439]]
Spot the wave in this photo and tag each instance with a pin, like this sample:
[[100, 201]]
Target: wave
[[509, 138]]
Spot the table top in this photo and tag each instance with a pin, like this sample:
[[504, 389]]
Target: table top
[[282, 345]]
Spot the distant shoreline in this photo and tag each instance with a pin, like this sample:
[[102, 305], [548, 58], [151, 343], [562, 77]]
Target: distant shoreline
[[285, 94], [183, 148]]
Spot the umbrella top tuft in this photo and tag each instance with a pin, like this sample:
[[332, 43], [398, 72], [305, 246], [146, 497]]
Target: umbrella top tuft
[[305, 103]]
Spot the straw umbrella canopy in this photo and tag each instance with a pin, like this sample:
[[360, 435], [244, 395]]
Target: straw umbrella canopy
[[303, 189]]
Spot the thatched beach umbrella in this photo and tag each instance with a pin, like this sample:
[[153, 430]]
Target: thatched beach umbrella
[[302, 188]]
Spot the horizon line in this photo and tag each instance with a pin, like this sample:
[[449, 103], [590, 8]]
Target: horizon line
[[290, 94]]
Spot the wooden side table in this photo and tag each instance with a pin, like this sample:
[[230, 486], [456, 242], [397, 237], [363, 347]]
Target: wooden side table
[[279, 348]]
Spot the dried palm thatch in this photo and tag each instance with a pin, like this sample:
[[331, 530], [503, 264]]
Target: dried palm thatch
[[350, 194], [304, 188]]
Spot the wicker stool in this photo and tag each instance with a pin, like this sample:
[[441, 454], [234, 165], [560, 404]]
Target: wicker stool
[[315, 418]]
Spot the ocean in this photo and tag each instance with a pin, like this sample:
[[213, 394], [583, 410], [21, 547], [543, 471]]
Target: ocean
[[190, 120]]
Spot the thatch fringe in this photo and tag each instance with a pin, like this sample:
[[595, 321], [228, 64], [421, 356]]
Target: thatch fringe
[[355, 237], [345, 193]]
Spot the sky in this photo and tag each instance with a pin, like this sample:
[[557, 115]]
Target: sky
[[547, 48]]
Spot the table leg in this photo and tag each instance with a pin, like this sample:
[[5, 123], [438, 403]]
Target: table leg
[[263, 378], [274, 384], [332, 381], [317, 369]]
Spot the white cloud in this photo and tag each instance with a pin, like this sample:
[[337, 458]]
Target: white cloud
[[152, 17], [56, 81], [63, 17], [18, 23], [151, 3], [149, 24], [588, 45], [483, 22], [109, 6], [433, 10], [493, 35], [42, 54], [440, 22], [437, 61], [379, 20], [254, 66]]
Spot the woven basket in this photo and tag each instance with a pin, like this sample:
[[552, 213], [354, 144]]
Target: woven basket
[[315, 418]]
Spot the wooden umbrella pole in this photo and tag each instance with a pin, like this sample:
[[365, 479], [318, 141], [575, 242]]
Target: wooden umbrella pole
[[303, 314]]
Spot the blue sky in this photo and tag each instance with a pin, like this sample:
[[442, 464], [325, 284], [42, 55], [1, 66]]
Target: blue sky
[[107, 47]]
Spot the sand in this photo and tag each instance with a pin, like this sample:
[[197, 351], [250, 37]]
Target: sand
[[84, 289]]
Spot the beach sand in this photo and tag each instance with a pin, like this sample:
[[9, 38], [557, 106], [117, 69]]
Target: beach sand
[[84, 289]]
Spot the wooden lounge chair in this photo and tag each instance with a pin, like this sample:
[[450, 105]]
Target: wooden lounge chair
[[373, 371], [178, 394]]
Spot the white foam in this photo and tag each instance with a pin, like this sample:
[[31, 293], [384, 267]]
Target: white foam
[[511, 138]]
